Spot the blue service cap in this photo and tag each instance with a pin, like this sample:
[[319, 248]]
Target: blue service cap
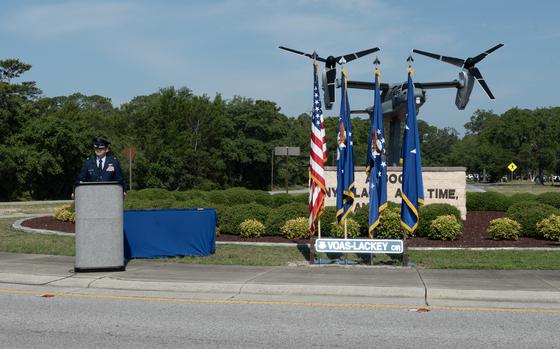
[[100, 143]]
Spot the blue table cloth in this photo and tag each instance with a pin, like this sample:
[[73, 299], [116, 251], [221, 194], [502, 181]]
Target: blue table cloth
[[169, 233]]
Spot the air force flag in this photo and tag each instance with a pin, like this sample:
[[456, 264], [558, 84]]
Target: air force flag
[[412, 186], [345, 191], [376, 163]]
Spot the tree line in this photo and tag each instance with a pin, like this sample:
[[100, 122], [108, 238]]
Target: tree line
[[185, 141]]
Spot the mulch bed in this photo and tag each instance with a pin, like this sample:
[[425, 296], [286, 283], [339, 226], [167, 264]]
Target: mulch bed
[[474, 234]]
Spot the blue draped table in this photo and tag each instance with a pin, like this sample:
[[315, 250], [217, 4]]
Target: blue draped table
[[169, 233]]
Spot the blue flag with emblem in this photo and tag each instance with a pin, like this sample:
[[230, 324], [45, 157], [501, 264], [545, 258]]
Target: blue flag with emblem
[[345, 190], [376, 164], [412, 185]]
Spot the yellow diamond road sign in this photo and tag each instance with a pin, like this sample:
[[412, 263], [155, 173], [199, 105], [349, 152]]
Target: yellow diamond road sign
[[512, 167]]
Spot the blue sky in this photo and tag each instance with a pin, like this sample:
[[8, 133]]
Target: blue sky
[[122, 49]]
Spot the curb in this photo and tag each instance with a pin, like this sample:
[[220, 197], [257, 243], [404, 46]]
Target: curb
[[419, 294], [493, 295], [109, 283], [17, 226]]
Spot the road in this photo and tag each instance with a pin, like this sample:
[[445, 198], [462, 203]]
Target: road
[[87, 318]]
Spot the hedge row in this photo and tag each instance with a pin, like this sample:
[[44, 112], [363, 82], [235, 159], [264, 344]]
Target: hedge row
[[236, 205], [160, 198], [495, 201]]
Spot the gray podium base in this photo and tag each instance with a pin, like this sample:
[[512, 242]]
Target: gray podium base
[[99, 227]]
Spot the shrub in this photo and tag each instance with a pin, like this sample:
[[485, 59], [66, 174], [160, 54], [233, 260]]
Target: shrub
[[328, 216], [192, 203], [193, 194], [154, 194], [221, 211], [230, 217], [236, 196], [550, 198], [297, 228], [160, 203], [65, 213], [279, 215], [217, 197], [135, 203], [487, 201], [390, 225], [361, 216], [239, 196], [281, 199], [263, 198], [430, 212], [352, 229], [549, 228], [528, 214], [300, 198], [522, 197], [251, 228], [504, 229], [132, 195], [445, 228]]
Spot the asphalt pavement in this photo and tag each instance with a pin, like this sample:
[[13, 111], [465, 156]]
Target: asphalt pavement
[[421, 285]]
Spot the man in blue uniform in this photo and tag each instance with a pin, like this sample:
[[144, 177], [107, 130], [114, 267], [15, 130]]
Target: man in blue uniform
[[101, 167]]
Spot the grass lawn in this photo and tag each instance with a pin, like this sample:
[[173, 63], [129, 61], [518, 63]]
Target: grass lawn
[[514, 187], [498, 259], [20, 242], [247, 255], [21, 209]]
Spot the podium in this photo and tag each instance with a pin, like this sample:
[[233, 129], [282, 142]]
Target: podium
[[99, 227]]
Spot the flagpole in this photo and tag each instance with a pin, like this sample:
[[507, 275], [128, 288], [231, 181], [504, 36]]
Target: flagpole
[[405, 249], [319, 229], [345, 230], [413, 196], [311, 249]]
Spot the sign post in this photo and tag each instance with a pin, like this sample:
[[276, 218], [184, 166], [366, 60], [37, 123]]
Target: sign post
[[130, 152], [287, 151], [512, 167]]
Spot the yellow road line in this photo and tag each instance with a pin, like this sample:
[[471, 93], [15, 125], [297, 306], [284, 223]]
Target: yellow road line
[[293, 303]]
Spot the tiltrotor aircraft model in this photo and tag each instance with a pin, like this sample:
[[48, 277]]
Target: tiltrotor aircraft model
[[394, 95]]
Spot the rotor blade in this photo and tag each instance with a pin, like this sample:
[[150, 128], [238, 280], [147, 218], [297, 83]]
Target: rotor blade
[[451, 60], [302, 53], [483, 55], [366, 85], [352, 56], [439, 84], [476, 73]]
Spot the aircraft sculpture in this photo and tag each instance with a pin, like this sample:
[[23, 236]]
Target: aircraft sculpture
[[394, 95]]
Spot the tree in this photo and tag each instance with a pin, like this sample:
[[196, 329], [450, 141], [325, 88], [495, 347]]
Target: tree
[[15, 98], [15, 109], [435, 143]]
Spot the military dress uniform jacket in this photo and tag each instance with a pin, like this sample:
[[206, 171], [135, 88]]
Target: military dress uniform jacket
[[111, 171]]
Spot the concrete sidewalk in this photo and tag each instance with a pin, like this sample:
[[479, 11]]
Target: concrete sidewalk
[[422, 285]]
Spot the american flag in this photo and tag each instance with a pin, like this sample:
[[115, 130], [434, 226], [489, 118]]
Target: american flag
[[317, 158]]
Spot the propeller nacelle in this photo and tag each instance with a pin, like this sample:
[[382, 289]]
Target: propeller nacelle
[[467, 76]]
